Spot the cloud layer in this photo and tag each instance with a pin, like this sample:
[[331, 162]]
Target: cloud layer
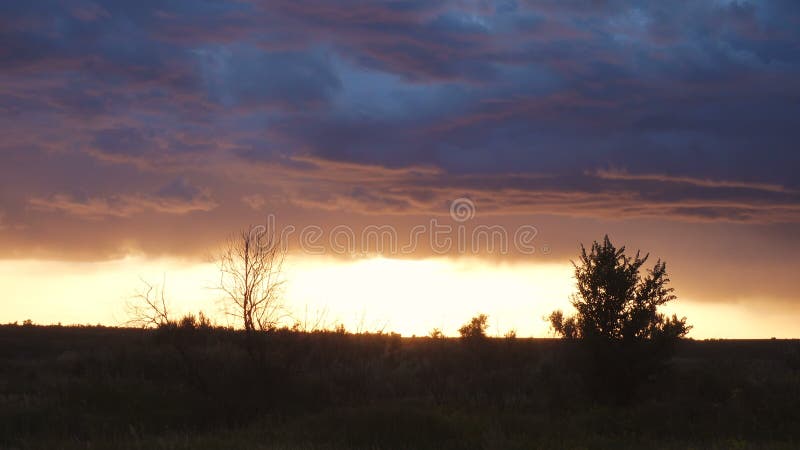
[[133, 122]]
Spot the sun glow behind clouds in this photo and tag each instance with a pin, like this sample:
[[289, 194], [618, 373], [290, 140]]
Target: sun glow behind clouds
[[407, 296], [415, 296]]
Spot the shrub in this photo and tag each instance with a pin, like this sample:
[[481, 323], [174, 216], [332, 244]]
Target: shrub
[[475, 328]]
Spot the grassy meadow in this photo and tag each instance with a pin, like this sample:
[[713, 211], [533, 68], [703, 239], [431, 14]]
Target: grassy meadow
[[201, 387]]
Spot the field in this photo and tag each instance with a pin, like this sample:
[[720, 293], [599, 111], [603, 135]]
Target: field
[[189, 387]]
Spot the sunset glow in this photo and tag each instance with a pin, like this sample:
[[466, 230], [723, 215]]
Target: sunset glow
[[411, 297], [399, 224], [426, 160]]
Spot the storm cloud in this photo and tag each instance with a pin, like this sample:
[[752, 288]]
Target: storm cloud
[[129, 121]]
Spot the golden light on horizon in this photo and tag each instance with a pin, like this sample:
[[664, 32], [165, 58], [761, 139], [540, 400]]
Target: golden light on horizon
[[407, 296]]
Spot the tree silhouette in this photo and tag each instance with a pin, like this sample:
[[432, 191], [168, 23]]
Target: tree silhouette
[[250, 268], [149, 307], [436, 333], [615, 303], [475, 328], [626, 340]]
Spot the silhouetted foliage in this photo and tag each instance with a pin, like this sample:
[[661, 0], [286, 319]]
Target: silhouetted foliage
[[475, 328], [199, 323], [63, 386], [615, 303], [625, 340]]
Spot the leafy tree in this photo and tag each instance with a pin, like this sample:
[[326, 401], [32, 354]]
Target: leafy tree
[[475, 328], [615, 303], [626, 340]]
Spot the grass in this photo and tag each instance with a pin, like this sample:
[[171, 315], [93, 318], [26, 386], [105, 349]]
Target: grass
[[95, 387]]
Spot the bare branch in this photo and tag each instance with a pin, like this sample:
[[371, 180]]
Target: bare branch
[[251, 278], [149, 307]]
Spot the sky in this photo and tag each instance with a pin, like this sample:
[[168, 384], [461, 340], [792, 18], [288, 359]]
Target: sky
[[136, 136]]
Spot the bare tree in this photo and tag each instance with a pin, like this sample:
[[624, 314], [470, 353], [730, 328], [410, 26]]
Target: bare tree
[[149, 307], [251, 277]]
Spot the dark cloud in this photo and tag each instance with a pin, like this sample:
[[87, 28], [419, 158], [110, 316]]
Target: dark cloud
[[131, 142], [177, 197], [236, 75], [595, 114]]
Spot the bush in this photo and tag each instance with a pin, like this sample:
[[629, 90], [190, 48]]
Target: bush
[[475, 328]]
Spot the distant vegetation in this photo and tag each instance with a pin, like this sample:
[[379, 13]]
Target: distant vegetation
[[621, 378], [476, 328]]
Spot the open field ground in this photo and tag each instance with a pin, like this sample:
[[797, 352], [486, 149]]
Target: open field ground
[[94, 387]]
